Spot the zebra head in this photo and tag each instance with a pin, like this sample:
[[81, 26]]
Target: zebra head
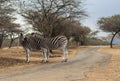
[[21, 37]]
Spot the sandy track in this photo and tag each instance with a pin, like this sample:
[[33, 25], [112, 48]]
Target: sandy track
[[73, 70]]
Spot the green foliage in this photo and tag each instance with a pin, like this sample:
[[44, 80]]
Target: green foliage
[[110, 24]]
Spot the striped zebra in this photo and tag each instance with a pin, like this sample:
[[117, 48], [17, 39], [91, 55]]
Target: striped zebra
[[44, 44]]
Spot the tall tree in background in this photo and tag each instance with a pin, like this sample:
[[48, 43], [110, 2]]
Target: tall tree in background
[[110, 24], [6, 20], [46, 15]]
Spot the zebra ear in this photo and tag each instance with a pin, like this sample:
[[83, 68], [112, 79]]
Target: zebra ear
[[21, 34], [21, 37], [32, 33], [26, 39]]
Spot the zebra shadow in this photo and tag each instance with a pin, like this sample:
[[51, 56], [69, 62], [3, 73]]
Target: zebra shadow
[[55, 54], [7, 62], [11, 62]]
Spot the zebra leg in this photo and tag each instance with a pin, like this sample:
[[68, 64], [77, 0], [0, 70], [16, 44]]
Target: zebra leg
[[45, 59], [65, 54], [27, 55], [51, 51], [45, 55]]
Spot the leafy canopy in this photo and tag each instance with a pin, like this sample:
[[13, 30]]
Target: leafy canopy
[[110, 24]]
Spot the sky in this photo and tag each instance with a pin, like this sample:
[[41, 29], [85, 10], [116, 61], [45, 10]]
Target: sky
[[97, 9]]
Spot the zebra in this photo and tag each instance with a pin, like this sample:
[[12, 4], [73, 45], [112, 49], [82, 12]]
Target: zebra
[[45, 45]]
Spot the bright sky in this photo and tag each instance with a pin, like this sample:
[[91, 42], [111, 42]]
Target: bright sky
[[100, 8]]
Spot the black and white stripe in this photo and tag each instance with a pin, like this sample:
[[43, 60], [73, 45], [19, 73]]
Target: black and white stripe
[[45, 44]]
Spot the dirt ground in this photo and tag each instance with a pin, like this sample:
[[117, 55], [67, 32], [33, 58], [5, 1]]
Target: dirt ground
[[111, 72], [76, 67], [14, 58]]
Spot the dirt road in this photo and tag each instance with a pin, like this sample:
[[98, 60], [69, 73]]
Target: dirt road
[[74, 69]]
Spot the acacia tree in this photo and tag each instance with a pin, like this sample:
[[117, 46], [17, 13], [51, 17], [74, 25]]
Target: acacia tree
[[45, 15], [110, 24]]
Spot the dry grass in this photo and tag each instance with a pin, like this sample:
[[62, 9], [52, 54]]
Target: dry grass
[[111, 72], [14, 58]]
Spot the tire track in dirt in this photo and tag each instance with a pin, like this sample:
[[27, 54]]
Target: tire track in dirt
[[72, 70]]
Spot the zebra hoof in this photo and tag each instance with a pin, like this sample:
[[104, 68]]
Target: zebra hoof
[[45, 61], [65, 60], [28, 62], [62, 61]]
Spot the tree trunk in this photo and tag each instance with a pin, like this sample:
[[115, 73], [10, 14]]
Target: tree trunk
[[18, 42], [83, 40], [1, 39], [112, 39], [11, 42]]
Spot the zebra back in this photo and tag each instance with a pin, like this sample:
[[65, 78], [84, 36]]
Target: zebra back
[[54, 42], [57, 42]]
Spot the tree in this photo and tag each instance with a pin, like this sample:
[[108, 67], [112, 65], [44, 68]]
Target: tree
[[80, 34], [93, 34], [7, 27], [13, 31], [84, 34], [46, 15], [110, 24]]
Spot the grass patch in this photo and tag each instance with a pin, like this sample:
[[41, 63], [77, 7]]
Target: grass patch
[[8, 62]]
